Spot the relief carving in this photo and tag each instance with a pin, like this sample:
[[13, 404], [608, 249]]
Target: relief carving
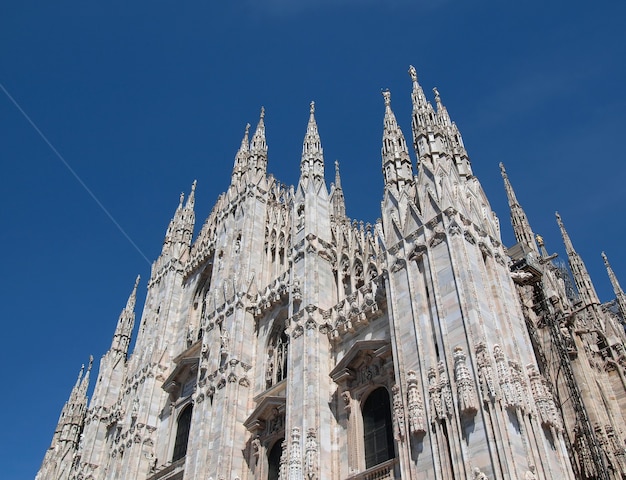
[[417, 416], [464, 383]]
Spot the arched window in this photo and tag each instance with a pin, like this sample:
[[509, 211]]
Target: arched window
[[273, 460], [377, 428], [277, 352], [182, 433]]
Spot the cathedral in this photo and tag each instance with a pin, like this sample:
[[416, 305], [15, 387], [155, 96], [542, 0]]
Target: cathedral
[[288, 341]]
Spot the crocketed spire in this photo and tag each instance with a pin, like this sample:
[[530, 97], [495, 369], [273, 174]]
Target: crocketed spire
[[312, 163], [241, 158], [521, 226], [619, 293], [125, 324], [258, 146], [397, 168], [582, 279]]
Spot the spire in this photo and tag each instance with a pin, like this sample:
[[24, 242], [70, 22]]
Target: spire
[[581, 277], [397, 168], [84, 384], [191, 200], [442, 111], [569, 248], [72, 416], [312, 163], [337, 176], [417, 95], [619, 293], [241, 158], [423, 120], [521, 226], [258, 146], [453, 140], [337, 198], [180, 229], [125, 324]]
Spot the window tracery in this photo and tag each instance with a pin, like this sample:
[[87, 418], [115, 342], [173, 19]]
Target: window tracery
[[277, 355]]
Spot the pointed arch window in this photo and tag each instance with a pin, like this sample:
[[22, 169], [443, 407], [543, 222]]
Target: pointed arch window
[[182, 433], [277, 354], [377, 428]]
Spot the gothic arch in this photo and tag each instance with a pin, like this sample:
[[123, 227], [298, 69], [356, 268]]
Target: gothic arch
[[274, 456], [183, 425], [377, 427], [277, 351]]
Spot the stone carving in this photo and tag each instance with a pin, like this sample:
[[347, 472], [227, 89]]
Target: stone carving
[[224, 342], [444, 388], [347, 399], [311, 454], [435, 397], [417, 423], [398, 413], [485, 373], [295, 455], [464, 383], [548, 412], [283, 469], [256, 451], [478, 475], [509, 394], [439, 391]]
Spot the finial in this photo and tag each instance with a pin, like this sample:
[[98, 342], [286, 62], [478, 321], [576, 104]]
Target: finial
[[182, 197], [248, 128], [558, 217], [604, 257], [337, 177], [436, 92], [193, 186], [137, 281], [387, 96], [312, 107], [413, 73], [262, 112], [90, 363]]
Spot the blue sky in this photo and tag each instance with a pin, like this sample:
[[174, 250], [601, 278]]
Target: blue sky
[[141, 98]]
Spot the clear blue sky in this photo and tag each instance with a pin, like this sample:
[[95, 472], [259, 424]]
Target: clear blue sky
[[141, 98]]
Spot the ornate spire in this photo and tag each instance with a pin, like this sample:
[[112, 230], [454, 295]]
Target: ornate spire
[[125, 324], [619, 293], [417, 95], [423, 120], [521, 226], [442, 111], [581, 277], [569, 247], [337, 176], [337, 199], [192, 196], [180, 229], [258, 146], [312, 163], [241, 158], [453, 141], [397, 168]]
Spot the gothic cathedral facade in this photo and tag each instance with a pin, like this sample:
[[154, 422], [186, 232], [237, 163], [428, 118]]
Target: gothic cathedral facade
[[287, 341]]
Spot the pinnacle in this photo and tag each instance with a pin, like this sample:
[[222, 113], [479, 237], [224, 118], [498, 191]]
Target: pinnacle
[[258, 145]]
